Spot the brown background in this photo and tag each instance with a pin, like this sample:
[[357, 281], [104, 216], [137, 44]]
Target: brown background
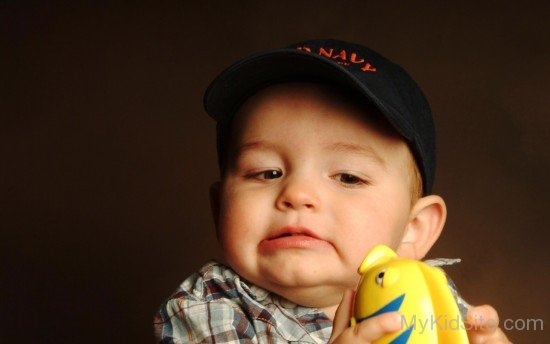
[[107, 155]]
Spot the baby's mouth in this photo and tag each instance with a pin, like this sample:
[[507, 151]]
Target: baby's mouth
[[290, 231], [289, 234], [293, 238]]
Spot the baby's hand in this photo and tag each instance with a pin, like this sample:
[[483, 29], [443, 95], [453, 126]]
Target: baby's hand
[[482, 325], [366, 331]]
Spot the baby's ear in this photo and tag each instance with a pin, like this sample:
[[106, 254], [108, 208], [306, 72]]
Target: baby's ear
[[215, 191], [425, 225]]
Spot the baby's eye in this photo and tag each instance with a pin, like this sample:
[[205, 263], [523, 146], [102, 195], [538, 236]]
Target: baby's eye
[[268, 174], [349, 179]]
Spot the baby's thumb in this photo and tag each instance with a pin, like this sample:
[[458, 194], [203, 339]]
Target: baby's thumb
[[342, 316]]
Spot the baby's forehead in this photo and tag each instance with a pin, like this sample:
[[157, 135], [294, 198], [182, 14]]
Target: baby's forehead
[[310, 104], [311, 117]]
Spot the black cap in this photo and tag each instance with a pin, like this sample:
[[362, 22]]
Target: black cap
[[386, 85]]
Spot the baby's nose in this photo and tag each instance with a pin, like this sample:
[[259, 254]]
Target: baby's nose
[[298, 194]]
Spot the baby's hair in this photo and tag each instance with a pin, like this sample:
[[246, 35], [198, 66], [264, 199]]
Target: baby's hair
[[416, 180]]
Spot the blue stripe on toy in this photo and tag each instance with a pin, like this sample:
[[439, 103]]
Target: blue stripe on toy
[[403, 337], [392, 306]]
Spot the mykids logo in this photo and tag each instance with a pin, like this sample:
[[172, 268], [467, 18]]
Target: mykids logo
[[342, 57]]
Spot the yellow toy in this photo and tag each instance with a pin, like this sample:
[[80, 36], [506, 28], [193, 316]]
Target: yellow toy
[[418, 291]]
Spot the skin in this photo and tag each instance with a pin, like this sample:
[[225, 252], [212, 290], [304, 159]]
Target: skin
[[305, 157]]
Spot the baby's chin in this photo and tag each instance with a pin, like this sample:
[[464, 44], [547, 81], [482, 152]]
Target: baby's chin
[[310, 291], [302, 276], [298, 277]]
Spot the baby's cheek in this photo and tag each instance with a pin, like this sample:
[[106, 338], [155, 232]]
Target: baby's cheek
[[238, 232]]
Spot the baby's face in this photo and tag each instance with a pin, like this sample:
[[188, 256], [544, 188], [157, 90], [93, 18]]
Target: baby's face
[[312, 186]]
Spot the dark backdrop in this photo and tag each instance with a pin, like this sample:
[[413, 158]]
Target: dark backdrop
[[107, 154]]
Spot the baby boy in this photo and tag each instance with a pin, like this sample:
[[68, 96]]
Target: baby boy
[[326, 149]]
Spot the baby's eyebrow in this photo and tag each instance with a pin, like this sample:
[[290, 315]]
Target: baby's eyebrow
[[348, 147], [264, 145], [356, 149]]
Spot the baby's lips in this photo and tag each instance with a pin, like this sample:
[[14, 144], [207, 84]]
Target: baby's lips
[[293, 237], [293, 230]]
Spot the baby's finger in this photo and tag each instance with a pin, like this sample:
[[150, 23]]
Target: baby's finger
[[482, 318], [482, 324], [372, 329], [342, 316]]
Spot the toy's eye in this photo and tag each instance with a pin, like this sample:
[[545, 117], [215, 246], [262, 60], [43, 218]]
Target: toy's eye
[[380, 276]]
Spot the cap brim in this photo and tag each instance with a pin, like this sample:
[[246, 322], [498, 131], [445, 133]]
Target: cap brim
[[232, 87]]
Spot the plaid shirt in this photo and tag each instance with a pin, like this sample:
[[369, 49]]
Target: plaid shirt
[[216, 306]]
